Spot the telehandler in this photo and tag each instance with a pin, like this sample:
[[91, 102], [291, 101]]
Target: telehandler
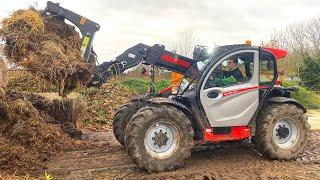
[[229, 93]]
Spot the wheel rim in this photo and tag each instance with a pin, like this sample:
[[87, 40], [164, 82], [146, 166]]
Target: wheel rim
[[161, 140], [285, 133]]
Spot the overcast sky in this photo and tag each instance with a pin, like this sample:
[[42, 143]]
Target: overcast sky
[[125, 23]]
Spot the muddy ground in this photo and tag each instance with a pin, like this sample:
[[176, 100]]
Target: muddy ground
[[225, 161]]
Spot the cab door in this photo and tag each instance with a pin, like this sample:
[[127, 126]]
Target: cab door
[[229, 98]]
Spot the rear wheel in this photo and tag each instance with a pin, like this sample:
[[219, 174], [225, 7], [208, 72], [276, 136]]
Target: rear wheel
[[159, 138], [123, 116], [282, 132]]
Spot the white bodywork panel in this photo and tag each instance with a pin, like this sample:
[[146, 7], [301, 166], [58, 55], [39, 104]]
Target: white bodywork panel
[[235, 109]]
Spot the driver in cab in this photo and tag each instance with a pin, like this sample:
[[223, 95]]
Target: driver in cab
[[229, 74], [232, 70]]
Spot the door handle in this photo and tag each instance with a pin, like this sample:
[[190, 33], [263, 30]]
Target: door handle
[[213, 94]]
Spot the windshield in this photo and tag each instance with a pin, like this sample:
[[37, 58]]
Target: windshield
[[190, 79], [192, 75]]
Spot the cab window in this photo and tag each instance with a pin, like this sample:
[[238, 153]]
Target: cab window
[[267, 68], [235, 70]]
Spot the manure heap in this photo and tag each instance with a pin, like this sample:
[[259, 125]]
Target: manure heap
[[46, 46]]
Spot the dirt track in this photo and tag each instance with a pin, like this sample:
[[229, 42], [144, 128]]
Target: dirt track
[[236, 160]]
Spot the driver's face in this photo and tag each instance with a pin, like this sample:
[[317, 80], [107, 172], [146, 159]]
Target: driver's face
[[231, 64]]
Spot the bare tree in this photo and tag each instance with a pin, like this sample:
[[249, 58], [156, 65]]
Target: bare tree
[[185, 42], [313, 35], [301, 40]]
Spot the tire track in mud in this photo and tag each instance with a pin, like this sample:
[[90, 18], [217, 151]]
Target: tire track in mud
[[228, 160]]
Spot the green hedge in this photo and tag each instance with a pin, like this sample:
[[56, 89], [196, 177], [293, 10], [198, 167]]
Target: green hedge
[[306, 97], [141, 86]]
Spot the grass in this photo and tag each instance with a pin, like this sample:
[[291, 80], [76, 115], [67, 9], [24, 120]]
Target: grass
[[141, 86], [307, 98]]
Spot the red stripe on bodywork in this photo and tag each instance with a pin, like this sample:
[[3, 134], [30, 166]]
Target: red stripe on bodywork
[[229, 93], [175, 60], [237, 133]]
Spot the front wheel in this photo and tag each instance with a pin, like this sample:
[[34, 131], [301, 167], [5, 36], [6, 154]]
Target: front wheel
[[159, 138], [282, 132]]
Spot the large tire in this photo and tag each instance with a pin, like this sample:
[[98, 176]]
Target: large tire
[[281, 132], [123, 116], [142, 131]]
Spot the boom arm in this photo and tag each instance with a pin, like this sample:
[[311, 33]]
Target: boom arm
[[150, 55], [128, 59]]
